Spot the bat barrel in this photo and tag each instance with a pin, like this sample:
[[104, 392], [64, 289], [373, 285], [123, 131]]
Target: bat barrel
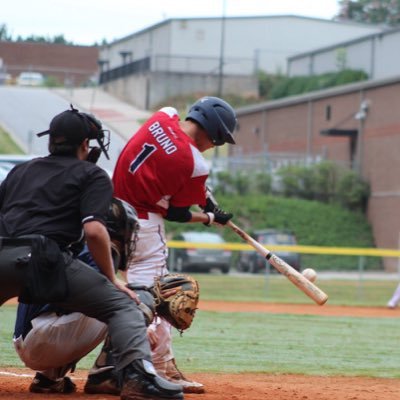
[[294, 276]]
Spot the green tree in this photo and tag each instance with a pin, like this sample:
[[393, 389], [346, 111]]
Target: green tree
[[4, 35], [370, 11], [58, 39]]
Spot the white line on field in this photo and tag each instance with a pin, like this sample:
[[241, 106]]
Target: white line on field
[[17, 375], [5, 373]]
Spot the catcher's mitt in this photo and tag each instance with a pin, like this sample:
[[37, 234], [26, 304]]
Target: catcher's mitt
[[176, 297]]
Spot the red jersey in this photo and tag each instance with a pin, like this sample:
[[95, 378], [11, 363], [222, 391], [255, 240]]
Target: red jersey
[[161, 166]]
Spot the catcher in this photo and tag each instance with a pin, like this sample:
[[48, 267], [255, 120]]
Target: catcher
[[69, 337], [174, 298]]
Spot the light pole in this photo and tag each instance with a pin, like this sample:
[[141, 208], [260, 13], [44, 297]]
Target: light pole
[[221, 64], [221, 51]]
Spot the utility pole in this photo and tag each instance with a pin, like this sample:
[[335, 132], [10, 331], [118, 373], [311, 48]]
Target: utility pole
[[221, 63], [221, 51]]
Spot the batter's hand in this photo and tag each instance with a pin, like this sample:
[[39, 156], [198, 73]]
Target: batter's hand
[[218, 217]]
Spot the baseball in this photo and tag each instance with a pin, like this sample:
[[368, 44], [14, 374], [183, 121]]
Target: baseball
[[310, 274]]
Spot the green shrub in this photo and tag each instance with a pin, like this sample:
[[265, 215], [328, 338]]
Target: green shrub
[[313, 222], [275, 86], [52, 81], [353, 192], [262, 183], [326, 182]]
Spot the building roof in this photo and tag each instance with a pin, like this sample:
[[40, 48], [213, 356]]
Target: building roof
[[235, 18], [345, 43], [315, 95]]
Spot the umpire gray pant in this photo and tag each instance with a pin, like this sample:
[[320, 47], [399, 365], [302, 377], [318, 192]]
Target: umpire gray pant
[[92, 294]]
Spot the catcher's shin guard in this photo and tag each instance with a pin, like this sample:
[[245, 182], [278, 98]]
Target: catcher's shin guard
[[105, 360]]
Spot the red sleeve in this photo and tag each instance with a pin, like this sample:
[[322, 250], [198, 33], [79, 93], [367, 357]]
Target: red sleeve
[[194, 192]]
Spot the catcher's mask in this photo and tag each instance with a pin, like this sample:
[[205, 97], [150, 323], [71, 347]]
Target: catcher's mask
[[122, 225], [73, 127]]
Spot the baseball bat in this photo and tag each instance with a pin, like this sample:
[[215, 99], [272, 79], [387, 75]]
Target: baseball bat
[[284, 268]]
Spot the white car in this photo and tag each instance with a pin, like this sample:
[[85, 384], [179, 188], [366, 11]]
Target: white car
[[30, 79], [9, 161]]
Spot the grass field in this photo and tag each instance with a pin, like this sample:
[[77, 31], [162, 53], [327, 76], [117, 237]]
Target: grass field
[[7, 145], [277, 289], [275, 343]]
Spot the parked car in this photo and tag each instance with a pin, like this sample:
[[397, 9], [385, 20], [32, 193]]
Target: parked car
[[14, 159], [9, 161], [251, 261], [30, 79], [3, 172], [199, 259]]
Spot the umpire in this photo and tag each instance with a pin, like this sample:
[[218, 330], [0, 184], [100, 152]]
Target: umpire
[[46, 205]]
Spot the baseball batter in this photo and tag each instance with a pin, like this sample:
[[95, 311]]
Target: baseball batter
[[162, 173]]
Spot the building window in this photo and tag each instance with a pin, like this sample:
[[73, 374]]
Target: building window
[[328, 112]]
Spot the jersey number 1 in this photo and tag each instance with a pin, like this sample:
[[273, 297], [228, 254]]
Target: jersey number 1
[[147, 149]]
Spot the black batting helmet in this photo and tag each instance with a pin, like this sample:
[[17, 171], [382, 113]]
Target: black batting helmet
[[122, 225], [216, 117]]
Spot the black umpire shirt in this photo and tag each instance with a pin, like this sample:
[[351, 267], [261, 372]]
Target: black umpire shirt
[[53, 196]]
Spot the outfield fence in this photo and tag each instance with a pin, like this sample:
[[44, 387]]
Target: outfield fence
[[356, 261]]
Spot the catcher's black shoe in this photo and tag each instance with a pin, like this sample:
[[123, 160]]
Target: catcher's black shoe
[[140, 382], [42, 384], [105, 382]]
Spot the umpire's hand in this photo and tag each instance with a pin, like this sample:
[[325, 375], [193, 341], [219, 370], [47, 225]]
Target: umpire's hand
[[121, 285]]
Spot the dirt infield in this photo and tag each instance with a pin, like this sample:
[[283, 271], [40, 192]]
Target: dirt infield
[[14, 383], [237, 387], [306, 309]]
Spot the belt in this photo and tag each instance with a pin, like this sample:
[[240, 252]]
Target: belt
[[23, 241], [7, 241], [143, 215]]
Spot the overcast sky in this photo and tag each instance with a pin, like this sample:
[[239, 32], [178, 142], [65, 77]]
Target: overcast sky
[[89, 21]]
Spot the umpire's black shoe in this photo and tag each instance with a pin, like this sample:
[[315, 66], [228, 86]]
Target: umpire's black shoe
[[140, 382]]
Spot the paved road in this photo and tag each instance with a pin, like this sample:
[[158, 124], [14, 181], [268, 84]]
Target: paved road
[[26, 111]]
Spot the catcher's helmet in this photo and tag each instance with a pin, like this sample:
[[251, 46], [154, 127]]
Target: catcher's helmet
[[122, 225], [74, 127], [216, 117]]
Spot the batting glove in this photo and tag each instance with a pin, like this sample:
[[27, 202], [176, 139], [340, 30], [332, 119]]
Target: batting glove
[[219, 217], [211, 202]]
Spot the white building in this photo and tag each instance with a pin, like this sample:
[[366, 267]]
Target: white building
[[377, 54], [212, 55]]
